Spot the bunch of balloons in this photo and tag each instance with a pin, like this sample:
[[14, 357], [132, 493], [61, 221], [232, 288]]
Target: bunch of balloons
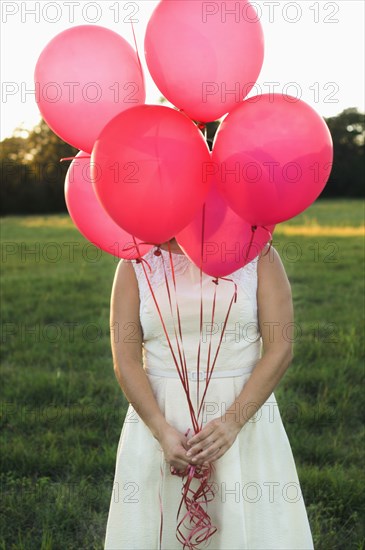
[[145, 173]]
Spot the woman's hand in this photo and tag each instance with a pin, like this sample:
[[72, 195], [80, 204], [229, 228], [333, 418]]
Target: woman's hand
[[174, 446], [212, 441]]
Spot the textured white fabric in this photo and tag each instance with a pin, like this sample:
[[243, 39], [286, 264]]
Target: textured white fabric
[[259, 504], [203, 374]]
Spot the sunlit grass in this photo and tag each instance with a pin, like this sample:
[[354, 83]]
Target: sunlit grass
[[315, 230], [311, 229], [62, 409], [47, 221]]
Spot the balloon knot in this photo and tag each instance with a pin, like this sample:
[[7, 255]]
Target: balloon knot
[[215, 281], [157, 252]]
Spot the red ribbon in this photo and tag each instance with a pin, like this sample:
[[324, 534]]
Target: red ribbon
[[73, 158], [195, 520], [270, 238], [136, 45]]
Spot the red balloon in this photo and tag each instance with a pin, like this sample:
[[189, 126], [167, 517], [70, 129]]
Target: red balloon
[[85, 76], [229, 242], [272, 156], [90, 217], [205, 57], [148, 170]]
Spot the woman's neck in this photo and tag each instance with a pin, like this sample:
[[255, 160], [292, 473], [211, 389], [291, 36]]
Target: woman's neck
[[173, 246]]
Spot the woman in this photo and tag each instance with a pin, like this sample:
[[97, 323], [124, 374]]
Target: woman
[[258, 502]]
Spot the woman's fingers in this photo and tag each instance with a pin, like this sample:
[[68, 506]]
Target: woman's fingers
[[179, 462], [206, 454], [181, 458], [201, 446], [206, 432], [209, 445], [205, 447]]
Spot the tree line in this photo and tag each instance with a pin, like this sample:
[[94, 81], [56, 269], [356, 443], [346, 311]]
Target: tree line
[[32, 176]]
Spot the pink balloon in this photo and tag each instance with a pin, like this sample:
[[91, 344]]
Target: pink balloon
[[149, 171], [229, 242], [273, 156], [90, 217], [84, 77], [205, 57]]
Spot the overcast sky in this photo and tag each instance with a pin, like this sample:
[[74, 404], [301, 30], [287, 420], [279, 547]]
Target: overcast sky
[[317, 45]]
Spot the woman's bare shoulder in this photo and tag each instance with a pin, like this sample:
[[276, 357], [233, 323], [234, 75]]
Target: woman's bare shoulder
[[269, 254], [270, 265], [125, 275]]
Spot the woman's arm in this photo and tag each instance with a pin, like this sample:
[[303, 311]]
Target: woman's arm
[[275, 316], [126, 343]]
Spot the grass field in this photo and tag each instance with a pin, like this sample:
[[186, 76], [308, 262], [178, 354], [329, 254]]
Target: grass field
[[62, 409]]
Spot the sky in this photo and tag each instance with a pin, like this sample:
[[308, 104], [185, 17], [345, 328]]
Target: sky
[[313, 49]]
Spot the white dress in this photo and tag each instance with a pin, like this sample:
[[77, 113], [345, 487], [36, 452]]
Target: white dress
[[259, 504]]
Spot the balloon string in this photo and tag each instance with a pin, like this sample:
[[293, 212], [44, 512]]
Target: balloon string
[[198, 123], [136, 45], [128, 248], [203, 128], [211, 330], [201, 307], [184, 373], [181, 353], [270, 239], [186, 388], [140, 260], [196, 519], [160, 501], [73, 158], [233, 300], [195, 500], [178, 313], [253, 229], [199, 525], [192, 413], [201, 318]]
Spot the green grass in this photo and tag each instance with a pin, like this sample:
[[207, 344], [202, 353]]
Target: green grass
[[341, 212], [62, 409]]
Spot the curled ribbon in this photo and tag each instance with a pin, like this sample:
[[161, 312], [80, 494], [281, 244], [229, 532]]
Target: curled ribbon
[[196, 519]]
